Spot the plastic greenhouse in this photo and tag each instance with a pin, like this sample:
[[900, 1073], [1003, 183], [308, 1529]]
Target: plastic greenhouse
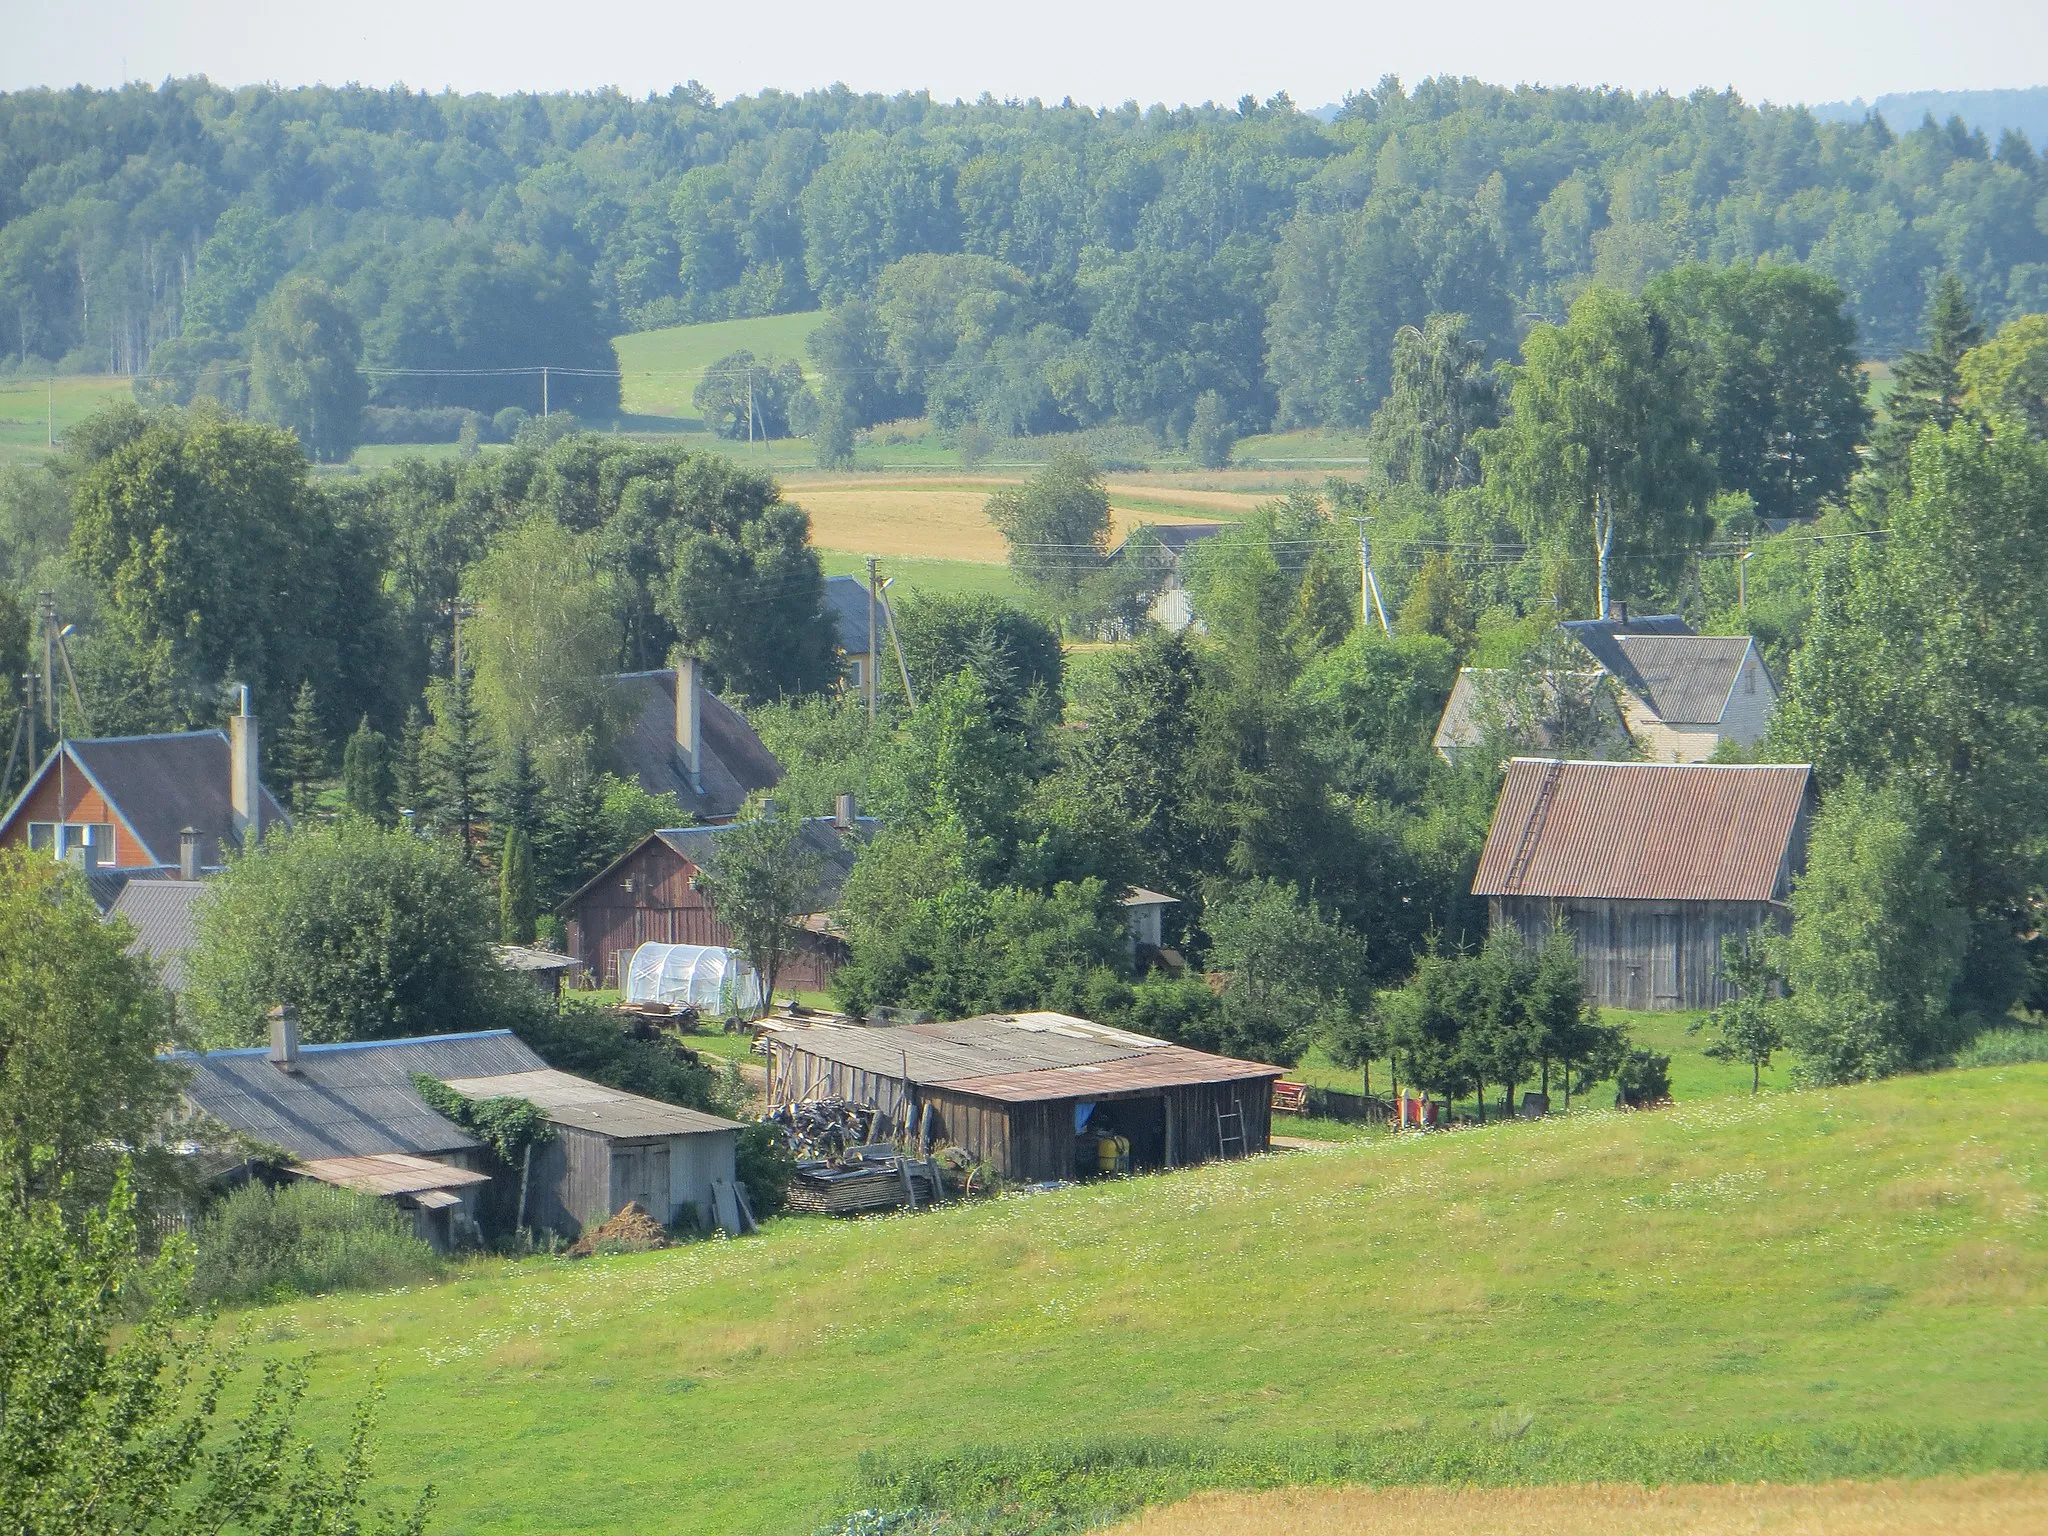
[[715, 981]]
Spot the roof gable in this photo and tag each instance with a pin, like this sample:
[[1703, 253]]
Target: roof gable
[[158, 786], [1685, 679], [1643, 831], [696, 847], [846, 598]]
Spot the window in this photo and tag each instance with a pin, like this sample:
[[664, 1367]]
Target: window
[[91, 841], [42, 836]]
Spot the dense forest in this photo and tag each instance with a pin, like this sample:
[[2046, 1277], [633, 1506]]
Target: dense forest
[[1028, 266]]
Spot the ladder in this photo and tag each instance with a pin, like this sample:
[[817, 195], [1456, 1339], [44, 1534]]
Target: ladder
[[1539, 813], [1229, 1128]]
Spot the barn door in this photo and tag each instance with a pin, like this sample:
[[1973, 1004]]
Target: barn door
[[1664, 978]]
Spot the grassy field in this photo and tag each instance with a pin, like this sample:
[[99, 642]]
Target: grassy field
[[28, 407], [661, 369], [1794, 1287], [1997, 1505]]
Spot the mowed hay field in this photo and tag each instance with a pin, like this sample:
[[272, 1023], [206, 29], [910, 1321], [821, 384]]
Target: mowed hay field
[[1792, 1288], [1999, 1505], [660, 370], [933, 519]]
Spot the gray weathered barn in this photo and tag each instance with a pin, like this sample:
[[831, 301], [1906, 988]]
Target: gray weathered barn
[[1019, 1090], [349, 1115], [1651, 864]]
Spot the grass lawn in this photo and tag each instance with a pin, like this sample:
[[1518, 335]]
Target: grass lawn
[[1788, 1288], [29, 406], [1337, 453], [663, 368]]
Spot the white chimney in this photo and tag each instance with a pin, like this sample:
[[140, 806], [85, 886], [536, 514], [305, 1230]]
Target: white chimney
[[690, 721], [846, 815], [284, 1038], [245, 782]]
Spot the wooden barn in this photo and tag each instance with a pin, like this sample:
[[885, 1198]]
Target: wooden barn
[[1031, 1093], [649, 895], [1651, 864]]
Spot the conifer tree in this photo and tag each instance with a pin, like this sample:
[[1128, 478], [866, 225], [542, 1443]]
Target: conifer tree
[[412, 785], [1927, 387], [460, 761], [366, 773], [304, 750], [517, 908], [517, 794]]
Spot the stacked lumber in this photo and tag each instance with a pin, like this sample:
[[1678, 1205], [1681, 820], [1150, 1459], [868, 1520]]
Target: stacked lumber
[[826, 1189]]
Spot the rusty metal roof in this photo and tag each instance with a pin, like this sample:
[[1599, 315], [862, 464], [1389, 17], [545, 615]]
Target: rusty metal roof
[[389, 1173], [1018, 1058], [1643, 831]]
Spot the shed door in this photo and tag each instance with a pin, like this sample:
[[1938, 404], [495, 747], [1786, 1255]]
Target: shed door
[[641, 1173], [1664, 978]]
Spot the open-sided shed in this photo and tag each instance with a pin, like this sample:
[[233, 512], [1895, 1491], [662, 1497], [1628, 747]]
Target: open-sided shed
[[1018, 1090]]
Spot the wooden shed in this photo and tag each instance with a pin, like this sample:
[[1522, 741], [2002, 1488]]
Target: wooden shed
[[1027, 1093], [1651, 865]]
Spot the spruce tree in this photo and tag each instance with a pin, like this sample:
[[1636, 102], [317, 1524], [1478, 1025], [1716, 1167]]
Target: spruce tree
[[517, 794], [412, 772], [517, 908], [366, 774], [1927, 389], [304, 750], [460, 761]]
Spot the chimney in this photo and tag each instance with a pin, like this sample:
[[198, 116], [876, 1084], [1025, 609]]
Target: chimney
[[768, 807], [690, 722], [846, 815], [284, 1038], [1617, 610], [245, 783], [188, 853]]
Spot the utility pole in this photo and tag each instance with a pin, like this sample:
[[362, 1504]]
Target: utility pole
[[750, 410], [1368, 583], [543, 391], [50, 422], [869, 675], [46, 611], [1742, 580]]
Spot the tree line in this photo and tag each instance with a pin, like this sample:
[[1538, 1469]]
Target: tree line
[[1013, 266]]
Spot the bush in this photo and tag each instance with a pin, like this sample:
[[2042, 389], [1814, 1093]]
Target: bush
[[1643, 1079], [307, 1239], [428, 424], [765, 1164], [2005, 1048]]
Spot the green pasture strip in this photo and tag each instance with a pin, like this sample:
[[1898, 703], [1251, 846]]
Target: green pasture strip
[[946, 578], [27, 405], [661, 369], [1798, 1284]]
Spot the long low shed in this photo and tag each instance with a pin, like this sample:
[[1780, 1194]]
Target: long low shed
[[1018, 1090]]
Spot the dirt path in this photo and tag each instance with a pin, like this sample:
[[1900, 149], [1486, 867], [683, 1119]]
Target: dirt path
[[2001, 1505]]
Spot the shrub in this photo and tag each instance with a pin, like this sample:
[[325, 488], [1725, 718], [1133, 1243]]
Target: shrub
[[1643, 1079], [2005, 1048], [587, 1039], [306, 1238], [765, 1164]]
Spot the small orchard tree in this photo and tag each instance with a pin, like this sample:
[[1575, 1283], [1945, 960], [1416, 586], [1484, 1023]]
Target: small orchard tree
[[762, 877], [1057, 524], [1748, 1027], [110, 1422]]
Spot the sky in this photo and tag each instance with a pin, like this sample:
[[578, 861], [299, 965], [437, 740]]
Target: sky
[[1100, 52]]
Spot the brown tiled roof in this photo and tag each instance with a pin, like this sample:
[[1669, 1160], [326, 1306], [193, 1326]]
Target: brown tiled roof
[[1642, 831]]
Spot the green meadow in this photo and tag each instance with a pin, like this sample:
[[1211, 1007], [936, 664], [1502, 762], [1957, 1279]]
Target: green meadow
[[1790, 1287], [661, 369], [31, 408]]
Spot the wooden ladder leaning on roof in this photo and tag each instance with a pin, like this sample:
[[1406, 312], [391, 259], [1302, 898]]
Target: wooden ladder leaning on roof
[[1225, 1135], [1532, 828]]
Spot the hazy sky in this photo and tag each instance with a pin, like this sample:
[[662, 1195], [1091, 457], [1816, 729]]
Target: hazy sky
[[1098, 51]]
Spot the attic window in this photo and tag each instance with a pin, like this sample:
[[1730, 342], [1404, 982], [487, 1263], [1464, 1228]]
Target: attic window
[[90, 841]]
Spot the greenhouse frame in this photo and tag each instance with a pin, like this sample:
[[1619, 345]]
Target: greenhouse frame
[[700, 976]]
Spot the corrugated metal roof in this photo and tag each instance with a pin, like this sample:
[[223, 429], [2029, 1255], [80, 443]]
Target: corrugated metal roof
[[523, 957], [1015, 1057], [1685, 679], [1598, 636], [348, 1100], [1642, 831], [389, 1173], [576, 1101], [165, 916]]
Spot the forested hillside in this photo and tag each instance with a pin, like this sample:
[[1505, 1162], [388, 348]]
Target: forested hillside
[[1033, 267]]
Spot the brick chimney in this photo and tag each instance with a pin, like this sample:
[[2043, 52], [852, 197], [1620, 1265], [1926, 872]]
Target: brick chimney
[[690, 721], [188, 853], [284, 1038], [245, 779]]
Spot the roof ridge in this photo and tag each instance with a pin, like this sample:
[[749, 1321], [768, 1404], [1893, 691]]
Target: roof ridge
[[341, 1045], [93, 741]]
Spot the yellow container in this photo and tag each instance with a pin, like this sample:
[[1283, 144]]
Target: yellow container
[[1111, 1153]]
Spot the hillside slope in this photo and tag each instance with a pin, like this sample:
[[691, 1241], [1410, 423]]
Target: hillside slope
[[1848, 1282]]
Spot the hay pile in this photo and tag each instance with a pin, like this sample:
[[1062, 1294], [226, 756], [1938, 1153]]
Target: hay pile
[[631, 1231]]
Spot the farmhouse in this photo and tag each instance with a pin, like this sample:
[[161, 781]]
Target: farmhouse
[[684, 740], [860, 644], [349, 1115], [128, 806], [649, 895], [1651, 864], [1031, 1093], [1655, 687]]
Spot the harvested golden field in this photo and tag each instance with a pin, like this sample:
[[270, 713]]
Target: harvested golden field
[[943, 519], [2001, 1505]]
